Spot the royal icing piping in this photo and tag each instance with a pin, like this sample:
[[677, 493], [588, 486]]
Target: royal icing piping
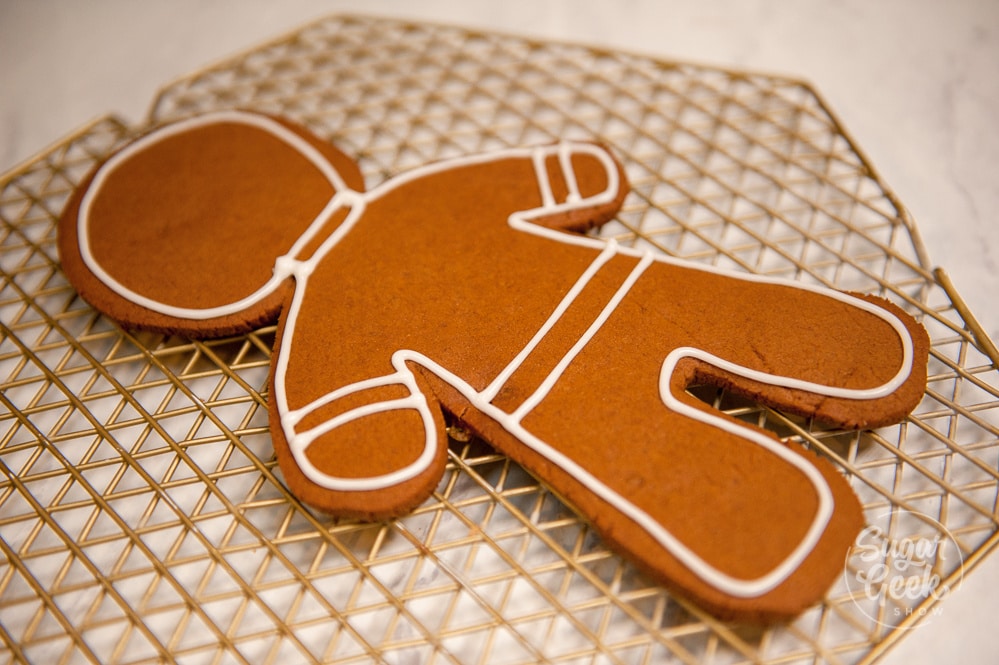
[[299, 442]]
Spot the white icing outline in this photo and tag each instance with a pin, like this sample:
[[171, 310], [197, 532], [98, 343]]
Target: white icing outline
[[298, 442]]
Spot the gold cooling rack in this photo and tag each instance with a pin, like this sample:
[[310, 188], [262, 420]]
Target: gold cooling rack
[[142, 516]]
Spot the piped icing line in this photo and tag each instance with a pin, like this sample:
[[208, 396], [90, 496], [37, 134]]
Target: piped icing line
[[522, 221], [565, 161], [291, 417], [544, 183], [609, 252], [542, 391]]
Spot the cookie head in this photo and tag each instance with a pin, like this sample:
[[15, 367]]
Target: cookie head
[[180, 230]]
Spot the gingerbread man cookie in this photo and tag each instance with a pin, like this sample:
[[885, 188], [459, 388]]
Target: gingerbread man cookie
[[467, 287]]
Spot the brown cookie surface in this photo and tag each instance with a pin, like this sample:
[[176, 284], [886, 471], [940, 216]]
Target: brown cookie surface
[[465, 287]]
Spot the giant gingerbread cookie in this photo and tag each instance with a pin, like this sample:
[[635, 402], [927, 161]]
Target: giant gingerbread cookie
[[467, 287]]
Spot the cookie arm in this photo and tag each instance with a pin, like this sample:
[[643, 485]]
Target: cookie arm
[[365, 445]]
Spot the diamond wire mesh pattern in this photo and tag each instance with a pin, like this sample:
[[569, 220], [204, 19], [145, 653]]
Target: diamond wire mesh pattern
[[142, 516]]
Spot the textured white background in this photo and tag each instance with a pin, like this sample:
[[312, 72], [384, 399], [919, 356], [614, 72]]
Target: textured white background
[[915, 82]]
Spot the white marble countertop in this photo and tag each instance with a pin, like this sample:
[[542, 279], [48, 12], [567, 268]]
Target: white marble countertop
[[913, 81]]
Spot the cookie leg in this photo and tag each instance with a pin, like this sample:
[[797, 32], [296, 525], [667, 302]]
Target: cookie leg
[[718, 509]]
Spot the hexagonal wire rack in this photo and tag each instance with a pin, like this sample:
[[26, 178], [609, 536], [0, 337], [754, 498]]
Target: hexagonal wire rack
[[142, 515]]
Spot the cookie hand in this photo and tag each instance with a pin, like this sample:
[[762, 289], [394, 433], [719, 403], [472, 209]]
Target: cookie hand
[[581, 185], [340, 452]]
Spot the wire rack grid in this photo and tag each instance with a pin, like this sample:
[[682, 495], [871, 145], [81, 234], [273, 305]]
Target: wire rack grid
[[142, 515]]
